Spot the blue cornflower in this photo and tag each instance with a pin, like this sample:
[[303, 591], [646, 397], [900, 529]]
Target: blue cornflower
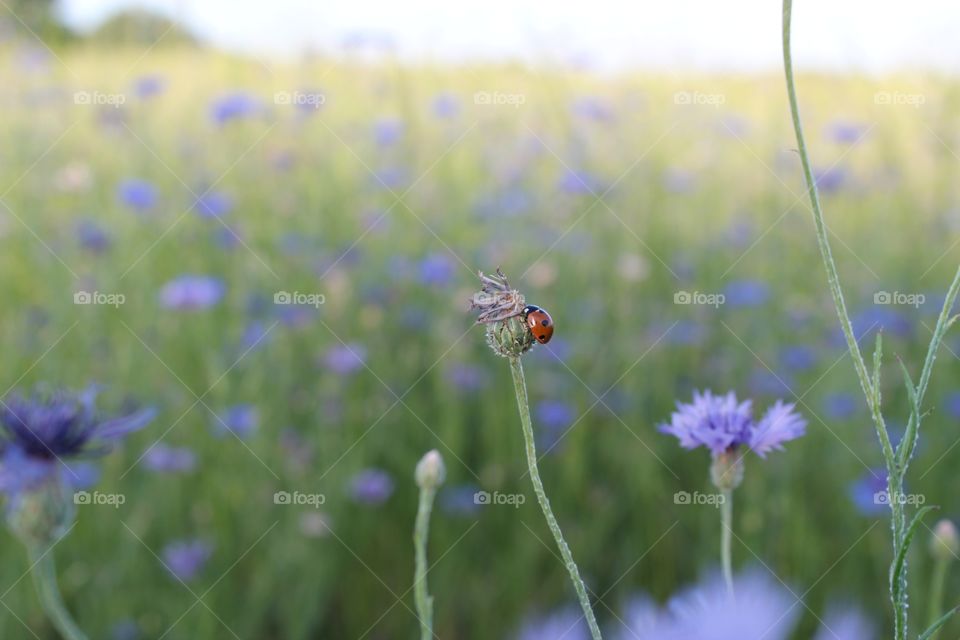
[[192, 292], [567, 623], [163, 458], [186, 558], [722, 423], [140, 195], [213, 204], [42, 433], [241, 420], [235, 106], [371, 486]]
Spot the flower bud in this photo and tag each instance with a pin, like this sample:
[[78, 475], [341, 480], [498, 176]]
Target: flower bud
[[945, 543], [510, 338], [41, 515], [727, 470], [430, 472]]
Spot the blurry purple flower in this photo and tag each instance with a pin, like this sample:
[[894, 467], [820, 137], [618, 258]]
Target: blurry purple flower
[[765, 382], [437, 270], [125, 630], [840, 405], [186, 558], [344, 359], [93, 237], [746, 293], [554, 413], [446, 105], [567, 623], [387, 131], [465, 377], [592, 108], [148, 86], [254, 336], [227, 238], [683, 332], [869, 493], [847, 623], [240, 419], [163, 458], [297, 315], [798, 357], [371, 486], [577, 182], [213, 204], [234, 106], [139, 195], [844, 132], [722, 423], [459, 500], [875, 318], [952, 405], [390, 178], [188, 292], [40, 434], [830, 180]]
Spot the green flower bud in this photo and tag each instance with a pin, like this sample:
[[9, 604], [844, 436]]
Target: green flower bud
[[945, 543], [42, 515], [510, 338], [727, 470], [430, 472]]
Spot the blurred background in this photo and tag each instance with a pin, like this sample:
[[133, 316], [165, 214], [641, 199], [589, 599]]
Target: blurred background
[[265, 219]]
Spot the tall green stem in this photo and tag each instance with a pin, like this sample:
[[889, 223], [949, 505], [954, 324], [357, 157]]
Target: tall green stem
[[45, 579], [936, 592], [871, 392], [726, 535], [421, 532], [520, 388]]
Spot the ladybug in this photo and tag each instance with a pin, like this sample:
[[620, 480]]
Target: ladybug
[[539, 322]]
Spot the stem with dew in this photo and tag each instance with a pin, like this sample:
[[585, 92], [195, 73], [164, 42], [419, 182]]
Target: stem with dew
[[424, 601], [45, 580], [520, 388]]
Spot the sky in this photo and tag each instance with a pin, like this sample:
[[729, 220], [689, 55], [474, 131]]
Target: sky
[[871, 36]]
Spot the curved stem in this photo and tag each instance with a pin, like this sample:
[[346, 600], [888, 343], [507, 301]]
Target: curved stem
[[936, 593], [421, 595], [520, 388], [45, 579], [726, 535]]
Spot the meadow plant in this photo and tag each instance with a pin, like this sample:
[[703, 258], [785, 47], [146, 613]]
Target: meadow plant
[[43, 435], [944, 547], [429, 475], [725, 425], [502, 311], [896, 458]]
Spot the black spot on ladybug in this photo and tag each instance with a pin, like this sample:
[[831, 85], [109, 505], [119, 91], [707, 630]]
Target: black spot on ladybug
[[545, 323]]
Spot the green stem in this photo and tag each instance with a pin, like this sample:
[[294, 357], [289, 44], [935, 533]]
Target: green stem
[[420, 534], [937, 582], [520, 387], [45, 579], [726, 536], [895, 477]]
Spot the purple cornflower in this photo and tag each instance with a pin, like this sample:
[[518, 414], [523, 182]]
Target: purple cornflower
[[148, 86], [139, 195], [371, 486], [189, 292], [41, 433], [344, 359], [869, 493], [722, 423], [93, 237], [746, 293], [240, 419], [446, 105], [213, 204], [235, 106], [437, 270], [163, 458], [387, 131], [840, 405], [186, 558], [952, 405], [567, 623], [846, 623]]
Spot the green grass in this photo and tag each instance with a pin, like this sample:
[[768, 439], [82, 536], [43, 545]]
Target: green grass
[[612, 479]]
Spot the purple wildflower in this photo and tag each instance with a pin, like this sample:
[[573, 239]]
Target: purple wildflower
[[139, 195], [148, 86], [840, 405], [387, 131], [371, 486], [952, 405], [577, 182], [186, 558], [345, 359], [188, 292], [847, 623], [465, 377], [798, 357], [163, 458], [746, 293], [40, 434], [459, 500], [566, 623], [93, 237], [446, 105], [235, 106], [722, 423], [213, 204], [869, 493], [240, 419], [437, 270]]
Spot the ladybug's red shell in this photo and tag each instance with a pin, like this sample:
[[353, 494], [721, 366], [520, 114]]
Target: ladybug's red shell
[[539, 322]]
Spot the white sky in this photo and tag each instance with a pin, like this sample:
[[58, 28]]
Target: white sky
[[861, 35]]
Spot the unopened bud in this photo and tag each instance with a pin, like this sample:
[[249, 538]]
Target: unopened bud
[[430, 472], [945, 543], [727, 470]]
